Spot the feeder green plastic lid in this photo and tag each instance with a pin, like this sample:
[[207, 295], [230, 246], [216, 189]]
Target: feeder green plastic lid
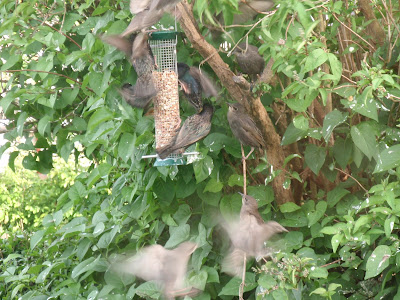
[[164, 35]]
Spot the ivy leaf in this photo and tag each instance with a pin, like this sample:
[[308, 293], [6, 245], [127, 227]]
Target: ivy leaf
[[178, 235], [232, 287], [293, 134], [203, 168]]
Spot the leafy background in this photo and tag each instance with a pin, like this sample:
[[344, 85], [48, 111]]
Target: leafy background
[[334, 103]]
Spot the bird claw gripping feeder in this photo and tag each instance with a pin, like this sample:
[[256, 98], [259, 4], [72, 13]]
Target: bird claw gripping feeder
[[166, 103]]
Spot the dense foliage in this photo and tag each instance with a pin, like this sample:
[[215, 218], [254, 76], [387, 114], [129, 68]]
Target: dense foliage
[[333, 100]]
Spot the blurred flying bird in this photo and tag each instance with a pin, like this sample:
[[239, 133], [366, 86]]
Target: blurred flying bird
[[147, 13], [249, 9], [142, 59], [248, 235], [249, 60], [193, 129], [193, 84], [166, 267], [244, 128]]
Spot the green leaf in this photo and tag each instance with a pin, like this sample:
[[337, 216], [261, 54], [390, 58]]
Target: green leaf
[[315, 157], [342, 151], [178, 235], [316, 58], [389, 225], [230, 205], [331, 121], [203, 168], [336, 240], [44, 125], [388, 159], [301, 122], [213, 186], [293, 134], [364, 138], [36, 238], [314, 217], [289, 207], [232, 287], [365, 104], [199, 280], [334, 196], [126, 146], [318, 272], [100, 116], [336, 67], [378, 261], [21, 122], [85, 266]]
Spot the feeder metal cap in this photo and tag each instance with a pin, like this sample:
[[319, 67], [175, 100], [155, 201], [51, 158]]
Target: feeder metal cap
[[164, 35]]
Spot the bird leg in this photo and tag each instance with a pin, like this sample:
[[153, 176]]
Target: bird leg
[[244, 171], [241, 287]]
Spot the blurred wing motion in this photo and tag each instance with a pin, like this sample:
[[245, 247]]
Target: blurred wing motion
[[247, 234], [206, 84], [166, 267], [249, 9], [193, 129], [142, 59], [148, 13]]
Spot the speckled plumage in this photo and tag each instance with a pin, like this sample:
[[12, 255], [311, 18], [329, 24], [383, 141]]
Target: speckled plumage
[[243, 126], [193, 129], [249, 60], [194, 84]]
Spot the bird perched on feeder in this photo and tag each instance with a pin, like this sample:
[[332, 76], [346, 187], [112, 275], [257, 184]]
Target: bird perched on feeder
[[166, 267], [249, 60], [193, 129], [248, 235], [244, 128], [193, 84], [142, 59], [147, 13]]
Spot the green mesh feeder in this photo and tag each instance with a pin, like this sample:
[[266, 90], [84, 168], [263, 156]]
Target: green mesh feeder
[[166, 104]]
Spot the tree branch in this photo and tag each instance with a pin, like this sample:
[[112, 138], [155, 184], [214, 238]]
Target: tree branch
[[240, 94]]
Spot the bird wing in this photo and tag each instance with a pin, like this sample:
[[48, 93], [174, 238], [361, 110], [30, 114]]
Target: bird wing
[[137, 6], [142, 20], [250, 127], [207, 86], [250, 9], [233, 263], [119, 42], [146, 264]]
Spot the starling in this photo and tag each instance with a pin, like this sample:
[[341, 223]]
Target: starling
[[193, 129], [166, 267], [249, 9], [249, 60], [142, 59], [248, 235], [244, 128], [148, 12], [193, 84]]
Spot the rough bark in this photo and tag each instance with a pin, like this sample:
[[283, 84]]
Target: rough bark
[[374, 28], [241, 93]]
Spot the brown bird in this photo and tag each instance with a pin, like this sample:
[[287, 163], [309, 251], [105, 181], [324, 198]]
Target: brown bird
[[193, 129], [248, 235], [244, 128], [148, 13], [194, 84], [249, 60], [166, 267], [142, 59], [249, 9]]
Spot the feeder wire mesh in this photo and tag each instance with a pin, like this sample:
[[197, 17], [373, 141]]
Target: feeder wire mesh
[[166, 103]]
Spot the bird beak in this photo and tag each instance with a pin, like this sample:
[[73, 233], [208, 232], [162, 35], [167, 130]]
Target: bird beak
[[243, 197]]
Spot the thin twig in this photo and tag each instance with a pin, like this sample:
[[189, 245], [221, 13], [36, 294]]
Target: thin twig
[[244, 171], [241, 287], [331, 263], [352, 177]]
